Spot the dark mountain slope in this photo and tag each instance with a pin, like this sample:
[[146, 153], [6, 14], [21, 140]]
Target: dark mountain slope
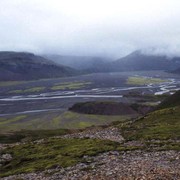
[[137, 61], [27, 66], [103, 108]]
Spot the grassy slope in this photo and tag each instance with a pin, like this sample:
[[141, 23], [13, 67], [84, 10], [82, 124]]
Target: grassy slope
[[52, 153], [67, 120], [31, 135], [163, 124], [171, 101]]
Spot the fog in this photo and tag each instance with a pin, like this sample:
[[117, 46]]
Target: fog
[[111, 28]]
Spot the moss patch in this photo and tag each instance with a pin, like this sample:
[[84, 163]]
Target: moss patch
[[10, 83], [31, 135], [54, 120], [70, 85], [30, 90], [144, 80], [161, 124], [4, 121], [54, 152]]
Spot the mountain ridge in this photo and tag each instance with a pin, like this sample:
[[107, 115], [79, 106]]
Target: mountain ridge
[[28, 66]]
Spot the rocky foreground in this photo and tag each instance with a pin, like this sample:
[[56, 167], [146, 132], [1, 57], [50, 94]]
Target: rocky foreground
[[112, 165]]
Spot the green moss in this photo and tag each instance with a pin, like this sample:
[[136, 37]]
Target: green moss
[[163, 145], [70, 85], [144, 80], [30, 135], [173, 100], [30, 90], [161, 124], [10, 83], [53, 120], [12, 120], [52, 153]]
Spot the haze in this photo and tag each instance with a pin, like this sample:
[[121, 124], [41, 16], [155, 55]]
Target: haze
[[111, 28]]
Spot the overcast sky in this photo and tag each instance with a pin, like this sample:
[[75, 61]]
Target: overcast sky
[[110, 28]]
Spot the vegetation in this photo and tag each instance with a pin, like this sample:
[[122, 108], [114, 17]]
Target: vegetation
[[31, 135], [161, 124], [30, 90], [158, 130], [144, 80], [171, 101], [103, 108], [51, 153], [70, 85], [4, 121], [10, 83], [53, 120]]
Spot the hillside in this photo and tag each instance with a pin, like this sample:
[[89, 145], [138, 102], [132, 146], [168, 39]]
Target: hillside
[[171, 101], [137, 61], [109, 108], [27, 66], [103, 108], [148, 147], [161, 124]]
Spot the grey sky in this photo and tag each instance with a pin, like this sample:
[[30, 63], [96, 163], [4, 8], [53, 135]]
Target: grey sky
[[90, 27]]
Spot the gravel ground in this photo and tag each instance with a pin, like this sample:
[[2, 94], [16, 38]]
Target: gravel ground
[[110, 133], [113, 165], [164, 165]]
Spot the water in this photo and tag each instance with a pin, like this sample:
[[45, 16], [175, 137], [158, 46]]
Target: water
[[157, 89]]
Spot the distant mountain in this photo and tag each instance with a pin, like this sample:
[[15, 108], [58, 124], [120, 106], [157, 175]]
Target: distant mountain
[[78, 62], [27, 66], [138, 61]]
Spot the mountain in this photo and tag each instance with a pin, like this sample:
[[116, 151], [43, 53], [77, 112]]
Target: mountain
[[78, 62], [138, 61], [28, 66]]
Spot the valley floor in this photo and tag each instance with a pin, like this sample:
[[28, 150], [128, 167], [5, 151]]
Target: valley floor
[[49, 142]]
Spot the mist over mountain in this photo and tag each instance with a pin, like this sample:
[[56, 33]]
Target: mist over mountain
[[78, 62], [111, 28], [138, 61], [27, 66]]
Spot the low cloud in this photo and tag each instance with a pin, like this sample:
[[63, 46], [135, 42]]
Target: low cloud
[[111, 28]]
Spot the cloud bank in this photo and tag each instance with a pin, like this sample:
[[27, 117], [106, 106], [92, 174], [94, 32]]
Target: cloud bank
[[111, 28]]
